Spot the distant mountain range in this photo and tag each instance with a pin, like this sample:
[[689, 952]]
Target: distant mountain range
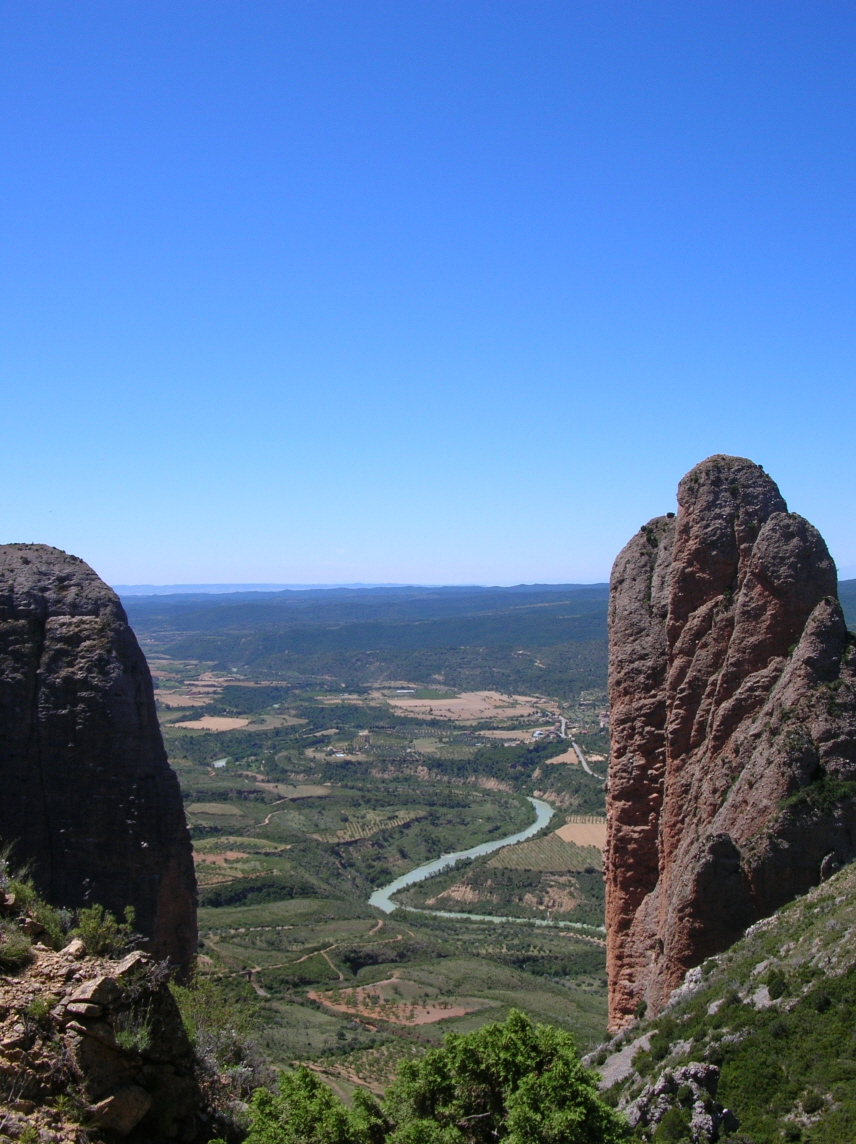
[[228, 589], [225, 594]]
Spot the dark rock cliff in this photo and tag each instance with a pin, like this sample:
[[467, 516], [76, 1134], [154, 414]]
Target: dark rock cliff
[[733, 725], [88, 797]]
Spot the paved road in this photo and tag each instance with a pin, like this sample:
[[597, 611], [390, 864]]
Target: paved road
[[585, 765], [563, 735]]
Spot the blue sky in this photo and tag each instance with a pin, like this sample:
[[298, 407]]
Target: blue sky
[[418, 292]]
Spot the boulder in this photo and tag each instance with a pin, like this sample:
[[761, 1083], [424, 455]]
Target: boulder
[[123, 1111]]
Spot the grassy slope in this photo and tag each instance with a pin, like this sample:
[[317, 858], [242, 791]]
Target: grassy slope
[[777, 1012]]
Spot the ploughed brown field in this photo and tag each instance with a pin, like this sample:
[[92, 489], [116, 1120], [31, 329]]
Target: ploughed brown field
[[473, 706], [396, 1000], [585, 833], [213, 723]]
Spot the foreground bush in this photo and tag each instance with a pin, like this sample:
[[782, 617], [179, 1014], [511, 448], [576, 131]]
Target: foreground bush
[[102, 934], [218, 1022], [28, 916], [512, 1081], [15, 948]]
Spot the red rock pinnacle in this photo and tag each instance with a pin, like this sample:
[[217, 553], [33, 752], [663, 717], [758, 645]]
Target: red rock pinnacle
[[733, 727]]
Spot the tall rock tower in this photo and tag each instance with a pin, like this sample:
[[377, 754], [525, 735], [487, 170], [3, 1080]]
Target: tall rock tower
[[88, 798], [733, 724]]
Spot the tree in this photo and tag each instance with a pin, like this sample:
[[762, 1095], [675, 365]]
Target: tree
[[511, 1081], [306, 1111]]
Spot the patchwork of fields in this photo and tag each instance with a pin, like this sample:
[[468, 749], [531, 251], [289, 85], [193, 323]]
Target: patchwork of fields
[[295, 825], [304, 798]]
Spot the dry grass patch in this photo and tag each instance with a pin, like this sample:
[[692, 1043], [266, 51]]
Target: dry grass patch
[[570, 757], [212, 723], [216, 809], [300, 790], [180, 699], [472, 706], [584, 830]]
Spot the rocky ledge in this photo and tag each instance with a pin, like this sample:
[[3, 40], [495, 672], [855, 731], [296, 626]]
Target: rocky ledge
[[88, 1044]]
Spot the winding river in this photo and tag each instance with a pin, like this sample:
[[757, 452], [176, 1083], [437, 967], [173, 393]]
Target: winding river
[[382, 898]]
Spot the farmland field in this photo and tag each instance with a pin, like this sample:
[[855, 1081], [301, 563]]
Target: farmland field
[[307, 789]]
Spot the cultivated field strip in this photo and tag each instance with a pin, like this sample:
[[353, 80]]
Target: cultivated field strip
[[547, 853], [366, 826]]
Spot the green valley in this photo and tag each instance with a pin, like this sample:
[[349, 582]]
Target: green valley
[[305, 789]]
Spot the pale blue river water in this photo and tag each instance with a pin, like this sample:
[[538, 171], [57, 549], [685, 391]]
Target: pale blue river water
[[382, 898]]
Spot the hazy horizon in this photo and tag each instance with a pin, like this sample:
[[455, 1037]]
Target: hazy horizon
[[225, 589]]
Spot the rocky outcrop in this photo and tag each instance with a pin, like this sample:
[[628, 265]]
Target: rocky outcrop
[[105, 1036], [690, 1089], [89, 800], [733, 728]]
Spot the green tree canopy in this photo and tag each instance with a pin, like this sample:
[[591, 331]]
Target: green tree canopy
[[511, 1081]]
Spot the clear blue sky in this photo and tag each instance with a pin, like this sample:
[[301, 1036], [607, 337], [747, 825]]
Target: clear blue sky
[[403, 291]]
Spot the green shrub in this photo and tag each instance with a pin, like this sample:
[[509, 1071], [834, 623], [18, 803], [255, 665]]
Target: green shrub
[[823, 794], [820, 1001], [218, 1022], [28, 903], [777, 984], [512, 1081], [15, 948], [133, 1030], [306, 1111], [102, 934], [674, 1127], [39, 1008]]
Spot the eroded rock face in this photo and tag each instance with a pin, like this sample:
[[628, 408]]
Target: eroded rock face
[[733, 727], [88, 797]]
